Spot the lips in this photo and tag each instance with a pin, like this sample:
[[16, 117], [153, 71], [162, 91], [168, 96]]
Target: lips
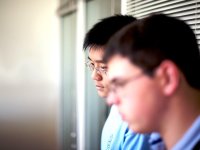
[[99, 87]]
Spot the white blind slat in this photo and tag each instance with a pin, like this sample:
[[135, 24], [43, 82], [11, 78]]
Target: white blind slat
[[186, 10], [169, 9]]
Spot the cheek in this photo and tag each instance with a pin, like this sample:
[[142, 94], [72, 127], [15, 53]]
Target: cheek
[[135, 107], [104, 91], [143, 106], [105, 83]]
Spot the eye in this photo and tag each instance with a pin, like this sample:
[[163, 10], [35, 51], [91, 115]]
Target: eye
[[91, 64], [104, 67]]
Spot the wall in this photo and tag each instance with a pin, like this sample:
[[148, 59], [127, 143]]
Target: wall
[[29, 74]]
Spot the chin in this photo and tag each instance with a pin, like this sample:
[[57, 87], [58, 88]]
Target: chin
[[102, 94], [134, 129], [138, 129]]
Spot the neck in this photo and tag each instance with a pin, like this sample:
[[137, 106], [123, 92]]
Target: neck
[[183, 112]]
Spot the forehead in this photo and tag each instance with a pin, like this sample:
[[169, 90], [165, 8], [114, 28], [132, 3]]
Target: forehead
[[96, 53], [120, 67]]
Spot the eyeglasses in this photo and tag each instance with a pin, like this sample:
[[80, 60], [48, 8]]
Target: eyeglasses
[[117, 87], [100, 70]]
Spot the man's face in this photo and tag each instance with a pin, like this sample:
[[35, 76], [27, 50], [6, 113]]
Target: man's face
[[137, 96], [99, 74]]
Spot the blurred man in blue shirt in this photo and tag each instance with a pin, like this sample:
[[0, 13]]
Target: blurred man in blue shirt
[[116, 134], [154, 70]]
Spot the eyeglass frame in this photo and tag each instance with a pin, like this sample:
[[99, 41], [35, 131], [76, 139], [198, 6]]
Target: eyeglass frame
[[98, 70], [114, 87]]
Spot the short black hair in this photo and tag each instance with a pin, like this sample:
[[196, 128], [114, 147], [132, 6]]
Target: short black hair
[[158, 37], [101, 32]]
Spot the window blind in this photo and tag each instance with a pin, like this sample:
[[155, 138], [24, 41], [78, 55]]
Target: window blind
[[186, 10]]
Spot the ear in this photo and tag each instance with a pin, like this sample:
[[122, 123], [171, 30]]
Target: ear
[[169, 77]]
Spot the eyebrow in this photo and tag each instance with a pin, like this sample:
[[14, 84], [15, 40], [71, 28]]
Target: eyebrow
[[97, 61]]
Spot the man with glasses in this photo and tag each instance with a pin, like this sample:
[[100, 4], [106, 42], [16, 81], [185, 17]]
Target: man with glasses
[[115, 134], [154, 70]]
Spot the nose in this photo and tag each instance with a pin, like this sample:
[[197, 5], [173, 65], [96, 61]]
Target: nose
[[96, 76], [112, 98]]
